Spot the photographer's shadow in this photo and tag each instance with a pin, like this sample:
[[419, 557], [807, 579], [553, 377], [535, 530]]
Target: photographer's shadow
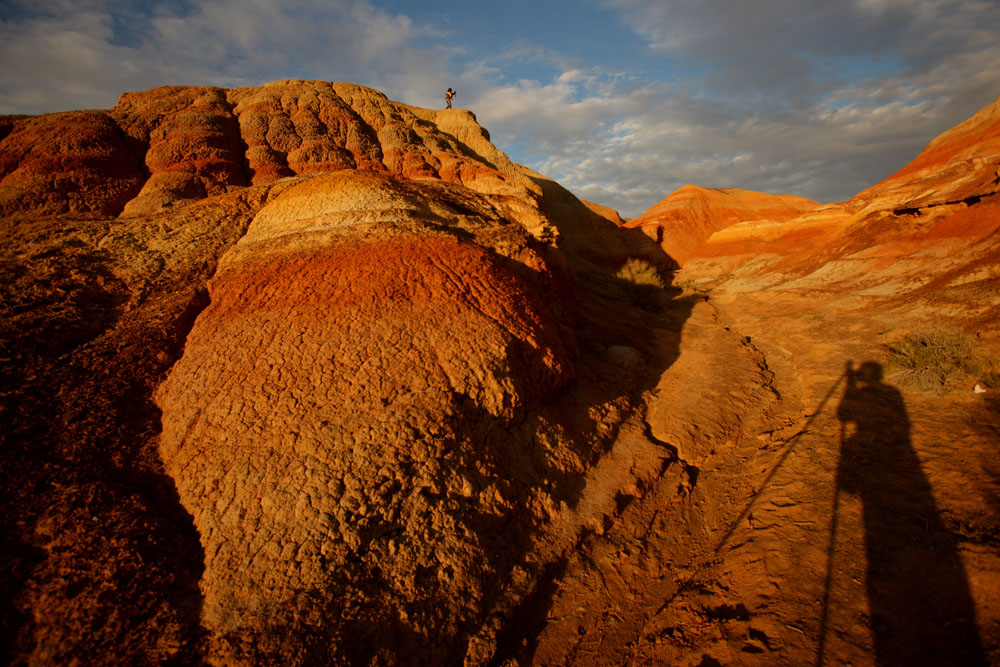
[[921, 610]]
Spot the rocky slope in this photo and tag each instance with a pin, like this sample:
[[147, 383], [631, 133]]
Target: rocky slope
[[383, 357], [868, 530], [296, 374]]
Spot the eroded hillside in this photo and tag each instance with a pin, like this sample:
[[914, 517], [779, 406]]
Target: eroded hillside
[[858, 523], [296, 374], [384, 361]]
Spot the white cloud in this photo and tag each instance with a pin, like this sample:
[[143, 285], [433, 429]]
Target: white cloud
[[56, 55], [812, 98]]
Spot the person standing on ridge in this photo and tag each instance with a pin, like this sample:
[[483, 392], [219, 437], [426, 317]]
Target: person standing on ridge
[[448, 97]]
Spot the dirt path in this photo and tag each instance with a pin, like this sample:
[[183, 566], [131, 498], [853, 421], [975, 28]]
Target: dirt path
[[796, 523]]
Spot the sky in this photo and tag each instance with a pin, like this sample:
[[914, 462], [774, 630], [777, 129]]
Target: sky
[[621, 101]]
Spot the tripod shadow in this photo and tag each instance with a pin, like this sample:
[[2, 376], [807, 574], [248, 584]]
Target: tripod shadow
[[921, 610]]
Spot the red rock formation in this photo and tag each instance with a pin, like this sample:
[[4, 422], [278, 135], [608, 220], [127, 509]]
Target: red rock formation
[[686, 218], [959, 165], [371, 423], [329, 422], [189, 141], [890, 239], [367, 423], [74, 162], [183, 143]]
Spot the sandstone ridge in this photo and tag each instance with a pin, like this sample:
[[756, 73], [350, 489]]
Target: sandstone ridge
[[686, 218], [331, 376], [173, 144], [932, 225]]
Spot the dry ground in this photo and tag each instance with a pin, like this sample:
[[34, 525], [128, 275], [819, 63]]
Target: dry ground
[[755, 513], [799, 522]]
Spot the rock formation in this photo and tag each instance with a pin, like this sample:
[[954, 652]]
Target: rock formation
[[958, 167], [378, 392], [930, 226], [297, 374], [348, 424], [75, 162], [179, 143], [686, 218], [605, 212]]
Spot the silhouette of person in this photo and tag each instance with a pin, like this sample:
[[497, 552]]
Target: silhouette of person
[[921, 611]]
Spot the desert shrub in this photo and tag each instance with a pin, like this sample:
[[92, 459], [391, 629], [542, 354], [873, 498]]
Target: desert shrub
[[644, 283], [936, 360], [641, 272]]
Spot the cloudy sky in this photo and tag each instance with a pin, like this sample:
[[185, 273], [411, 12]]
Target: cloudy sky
[[622, 101]]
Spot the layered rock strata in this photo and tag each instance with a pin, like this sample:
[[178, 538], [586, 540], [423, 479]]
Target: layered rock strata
[[358, 423], [931, 226], [173, 144], [348, 424]]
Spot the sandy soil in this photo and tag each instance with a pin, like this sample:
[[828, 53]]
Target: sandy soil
[[801, 520]]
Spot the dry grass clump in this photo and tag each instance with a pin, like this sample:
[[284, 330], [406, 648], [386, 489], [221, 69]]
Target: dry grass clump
[[641, 272], [644, 282], [937, 360]]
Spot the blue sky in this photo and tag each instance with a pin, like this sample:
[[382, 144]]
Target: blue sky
[[622, 101]]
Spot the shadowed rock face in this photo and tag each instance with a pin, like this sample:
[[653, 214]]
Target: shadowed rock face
[[75, 162], [346, 421]]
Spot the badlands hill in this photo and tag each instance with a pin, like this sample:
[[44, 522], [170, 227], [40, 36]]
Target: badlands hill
[[296, 374], [292, 374], [932, 224], [688, 217]]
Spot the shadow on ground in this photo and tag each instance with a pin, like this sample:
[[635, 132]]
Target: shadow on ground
[[921, 609]]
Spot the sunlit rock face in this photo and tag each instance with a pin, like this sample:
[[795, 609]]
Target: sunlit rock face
[[960, 166], [346, 422], [686, 218], [930, 226], [174, 144]]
